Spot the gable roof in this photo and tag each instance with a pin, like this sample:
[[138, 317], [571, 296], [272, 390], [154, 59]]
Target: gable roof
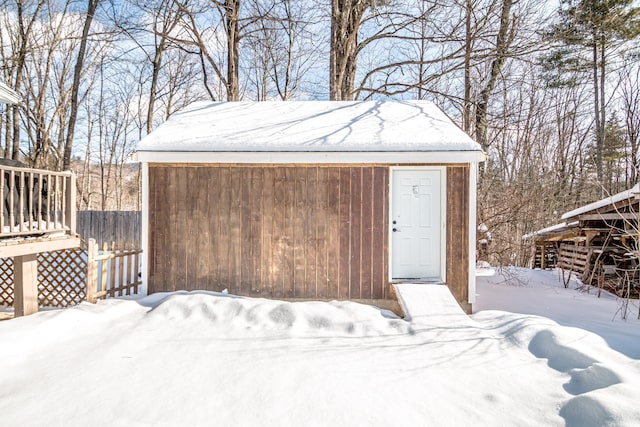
[[8, 96], [309, 126]]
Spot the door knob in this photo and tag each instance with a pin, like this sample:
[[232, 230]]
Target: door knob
[[395, 230]]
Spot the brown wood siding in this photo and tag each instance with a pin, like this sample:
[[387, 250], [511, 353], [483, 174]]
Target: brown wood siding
[[276, 231], [458, 234]]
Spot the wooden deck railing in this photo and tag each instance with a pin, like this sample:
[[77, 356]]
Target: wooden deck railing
[[36, 202]]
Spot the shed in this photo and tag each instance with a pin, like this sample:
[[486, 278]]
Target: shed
[[309, 200]]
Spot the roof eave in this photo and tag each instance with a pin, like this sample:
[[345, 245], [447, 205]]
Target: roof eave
[[311, 157], [599, 204], [8, 96]]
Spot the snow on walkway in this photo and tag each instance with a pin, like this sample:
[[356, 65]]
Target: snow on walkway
[[429, 303], [201, 359]]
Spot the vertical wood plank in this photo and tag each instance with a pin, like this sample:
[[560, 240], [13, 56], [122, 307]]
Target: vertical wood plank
[[49, 201], [168, 223], [104, 265], [221, 229], [255, 200], [355, 290], [161, 230], [279, 234], [379, 238], [182, 231], [387, 217], [322, 219], [457, 233], [267, 278], [452, 220], [299, 220], [235, 231], [344, 280], [310, 235], [25, 281], [367, 229], [121, 266], [288, 266], [113, 283], [92, 271], [152, 230], [245, 234], [130, 278], [21, 201], [209, 215], [196, 249], [136, 264], [333, 232]]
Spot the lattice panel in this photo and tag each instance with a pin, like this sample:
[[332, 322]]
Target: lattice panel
[[6, 281], [61, 278]]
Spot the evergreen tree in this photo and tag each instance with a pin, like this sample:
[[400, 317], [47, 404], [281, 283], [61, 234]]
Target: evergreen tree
[[589, 34]]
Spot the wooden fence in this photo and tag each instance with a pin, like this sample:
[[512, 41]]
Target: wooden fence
[[68, 277], [112, 271], [109, 226]]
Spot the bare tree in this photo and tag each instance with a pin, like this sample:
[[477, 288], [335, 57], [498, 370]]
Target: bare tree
[[504, 38], [226, 15], [630, 104], [346, 19], [166, 17], [281, 46], [92, 6], [27, 15]]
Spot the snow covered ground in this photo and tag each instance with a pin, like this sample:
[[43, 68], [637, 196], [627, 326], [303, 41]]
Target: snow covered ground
[[534, 354]]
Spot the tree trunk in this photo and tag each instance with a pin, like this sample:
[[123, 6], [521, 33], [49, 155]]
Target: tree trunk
[[466, 110], [77, 72], [346, 17], [232, 10], [503, 42], [603, 106], [19, 67], [157, 63], [596, 111]]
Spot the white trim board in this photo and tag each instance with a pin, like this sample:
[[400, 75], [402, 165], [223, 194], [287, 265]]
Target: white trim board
[[473, 206], [260, 157], [145, 229]]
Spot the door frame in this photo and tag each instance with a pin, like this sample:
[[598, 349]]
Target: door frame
[[443, 217]]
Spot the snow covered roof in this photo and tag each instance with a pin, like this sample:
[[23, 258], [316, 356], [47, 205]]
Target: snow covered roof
[[8, 96], [309, 126], [551, 229], [624, 195]]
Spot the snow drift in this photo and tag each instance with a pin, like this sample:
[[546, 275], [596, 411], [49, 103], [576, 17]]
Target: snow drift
[[198, 358]]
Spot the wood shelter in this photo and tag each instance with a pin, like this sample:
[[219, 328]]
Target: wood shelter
[[309, 200], [598, 241]]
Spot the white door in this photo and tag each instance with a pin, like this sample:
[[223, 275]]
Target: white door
[[416, 224]]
